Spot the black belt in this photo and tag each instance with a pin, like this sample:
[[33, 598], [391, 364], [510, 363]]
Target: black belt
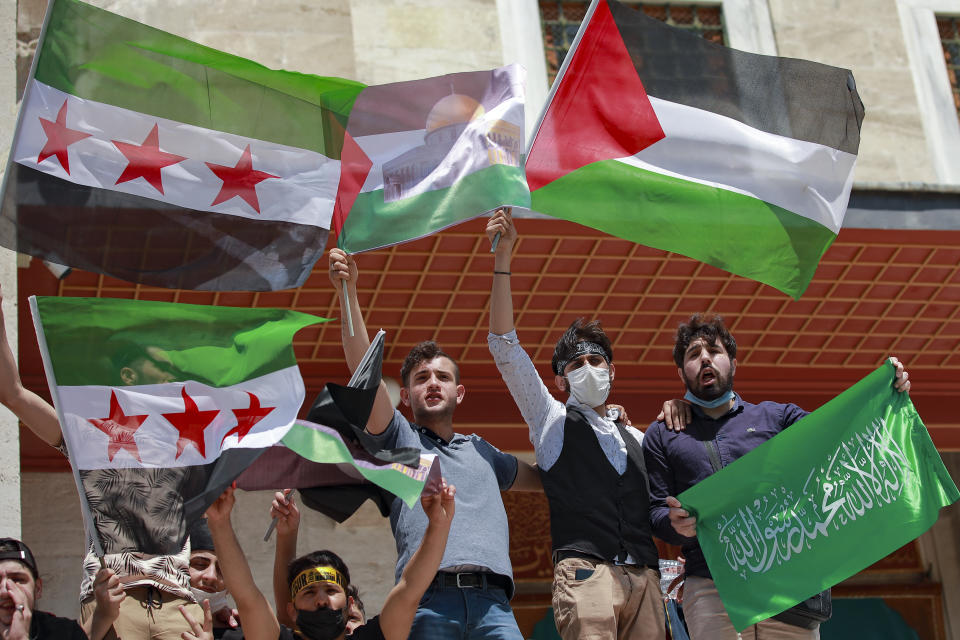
[[471, 580], [563, 554]]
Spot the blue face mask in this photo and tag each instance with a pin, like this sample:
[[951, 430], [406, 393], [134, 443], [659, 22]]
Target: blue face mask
[[709, 404]]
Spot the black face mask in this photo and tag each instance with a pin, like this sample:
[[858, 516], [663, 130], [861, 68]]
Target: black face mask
[[322, 624]]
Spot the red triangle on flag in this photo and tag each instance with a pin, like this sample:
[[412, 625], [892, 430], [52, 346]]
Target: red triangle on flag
[[600, 110], [354, 168]]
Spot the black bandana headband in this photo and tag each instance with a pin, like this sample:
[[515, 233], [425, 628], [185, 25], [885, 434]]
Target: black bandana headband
[[583, 348]]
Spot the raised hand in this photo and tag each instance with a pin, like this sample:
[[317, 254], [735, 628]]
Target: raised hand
[[109, 593], [219, 511], [901, 381], [440, 506], [198, 631], [285, 510], [502, 222], [342, 267]]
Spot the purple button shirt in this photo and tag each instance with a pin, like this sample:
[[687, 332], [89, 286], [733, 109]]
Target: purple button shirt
[[677, 461]]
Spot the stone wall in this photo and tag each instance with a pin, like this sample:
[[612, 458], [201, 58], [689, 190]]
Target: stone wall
[[864, 36]]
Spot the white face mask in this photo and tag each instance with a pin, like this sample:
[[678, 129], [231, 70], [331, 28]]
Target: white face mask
[[589, 385], [218, 599]]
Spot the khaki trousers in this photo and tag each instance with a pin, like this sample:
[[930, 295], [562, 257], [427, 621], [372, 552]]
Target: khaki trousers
[[147, 614], [611, 602], [708, 620]]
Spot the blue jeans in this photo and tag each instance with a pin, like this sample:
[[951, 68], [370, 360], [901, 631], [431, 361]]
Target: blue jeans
[[453, 613]]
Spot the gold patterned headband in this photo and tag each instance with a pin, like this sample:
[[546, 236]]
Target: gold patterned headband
[[316, 574]]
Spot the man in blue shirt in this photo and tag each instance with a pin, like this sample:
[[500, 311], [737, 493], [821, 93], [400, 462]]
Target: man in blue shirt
[[470, 596], [714, 428]]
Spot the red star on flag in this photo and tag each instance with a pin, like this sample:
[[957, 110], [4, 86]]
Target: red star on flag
[[59, 137], [146, 160], [191, 424], [247, 418], [120, 428], [239, 181]]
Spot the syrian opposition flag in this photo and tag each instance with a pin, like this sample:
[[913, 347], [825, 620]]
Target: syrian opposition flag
[[163, 405], [836, 492], [658, 136], [424, 155], [153, 159]]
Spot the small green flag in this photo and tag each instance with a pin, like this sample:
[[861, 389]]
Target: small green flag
[[325, 445], [847, 485]]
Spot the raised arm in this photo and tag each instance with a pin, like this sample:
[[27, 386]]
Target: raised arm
[[398, 611], [501, 296], [259, 621], [343, 268], [288, 525], [35, 412]]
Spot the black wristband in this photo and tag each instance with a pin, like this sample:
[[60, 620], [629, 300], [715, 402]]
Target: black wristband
[[502, 273]]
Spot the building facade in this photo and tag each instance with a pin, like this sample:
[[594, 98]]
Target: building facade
[[902, 232]]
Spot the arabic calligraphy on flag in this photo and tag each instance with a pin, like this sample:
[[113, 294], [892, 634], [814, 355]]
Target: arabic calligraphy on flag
[[845, 486]]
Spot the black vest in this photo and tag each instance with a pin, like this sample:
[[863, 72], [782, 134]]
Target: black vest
[[592, 509]]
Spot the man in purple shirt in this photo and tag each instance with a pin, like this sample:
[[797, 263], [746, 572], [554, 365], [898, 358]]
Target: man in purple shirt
[[712, 429]]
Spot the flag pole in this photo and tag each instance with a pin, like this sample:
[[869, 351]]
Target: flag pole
[[24, 100], [72, 447], [346, 307], [563, 69]]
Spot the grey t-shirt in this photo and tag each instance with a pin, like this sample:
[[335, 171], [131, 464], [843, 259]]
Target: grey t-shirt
[[479, 536]]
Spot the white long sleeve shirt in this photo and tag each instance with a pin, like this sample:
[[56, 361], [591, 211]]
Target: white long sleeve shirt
[[544, 414]]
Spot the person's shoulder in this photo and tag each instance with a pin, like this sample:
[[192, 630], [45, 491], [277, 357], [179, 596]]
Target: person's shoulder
[[655, 430], [369, 631], [785, 412], [771, 405], [286, 633], [480, 443], [47, 625], [222, 633]]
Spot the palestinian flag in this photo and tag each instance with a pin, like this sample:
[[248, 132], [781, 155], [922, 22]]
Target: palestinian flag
[[739, 160], [424, 155], [163, 405], [150, 158]]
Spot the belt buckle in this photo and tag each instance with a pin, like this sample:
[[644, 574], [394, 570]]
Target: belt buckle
[[466, 586]]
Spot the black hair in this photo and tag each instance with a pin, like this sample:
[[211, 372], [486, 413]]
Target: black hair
[[425, 352], [708, 326], [579, 331], [354, 593]]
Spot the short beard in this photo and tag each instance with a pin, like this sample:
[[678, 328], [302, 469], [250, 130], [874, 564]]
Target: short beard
[[722, 387]]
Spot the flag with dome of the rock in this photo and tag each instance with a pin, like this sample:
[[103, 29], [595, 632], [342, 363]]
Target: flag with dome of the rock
[[163, 405], [423, 155]]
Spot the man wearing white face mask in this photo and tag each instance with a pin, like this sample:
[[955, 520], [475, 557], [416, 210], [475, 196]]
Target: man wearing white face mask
[[605, 580]]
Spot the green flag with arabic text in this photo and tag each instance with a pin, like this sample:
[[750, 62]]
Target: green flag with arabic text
[[847, 485]]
